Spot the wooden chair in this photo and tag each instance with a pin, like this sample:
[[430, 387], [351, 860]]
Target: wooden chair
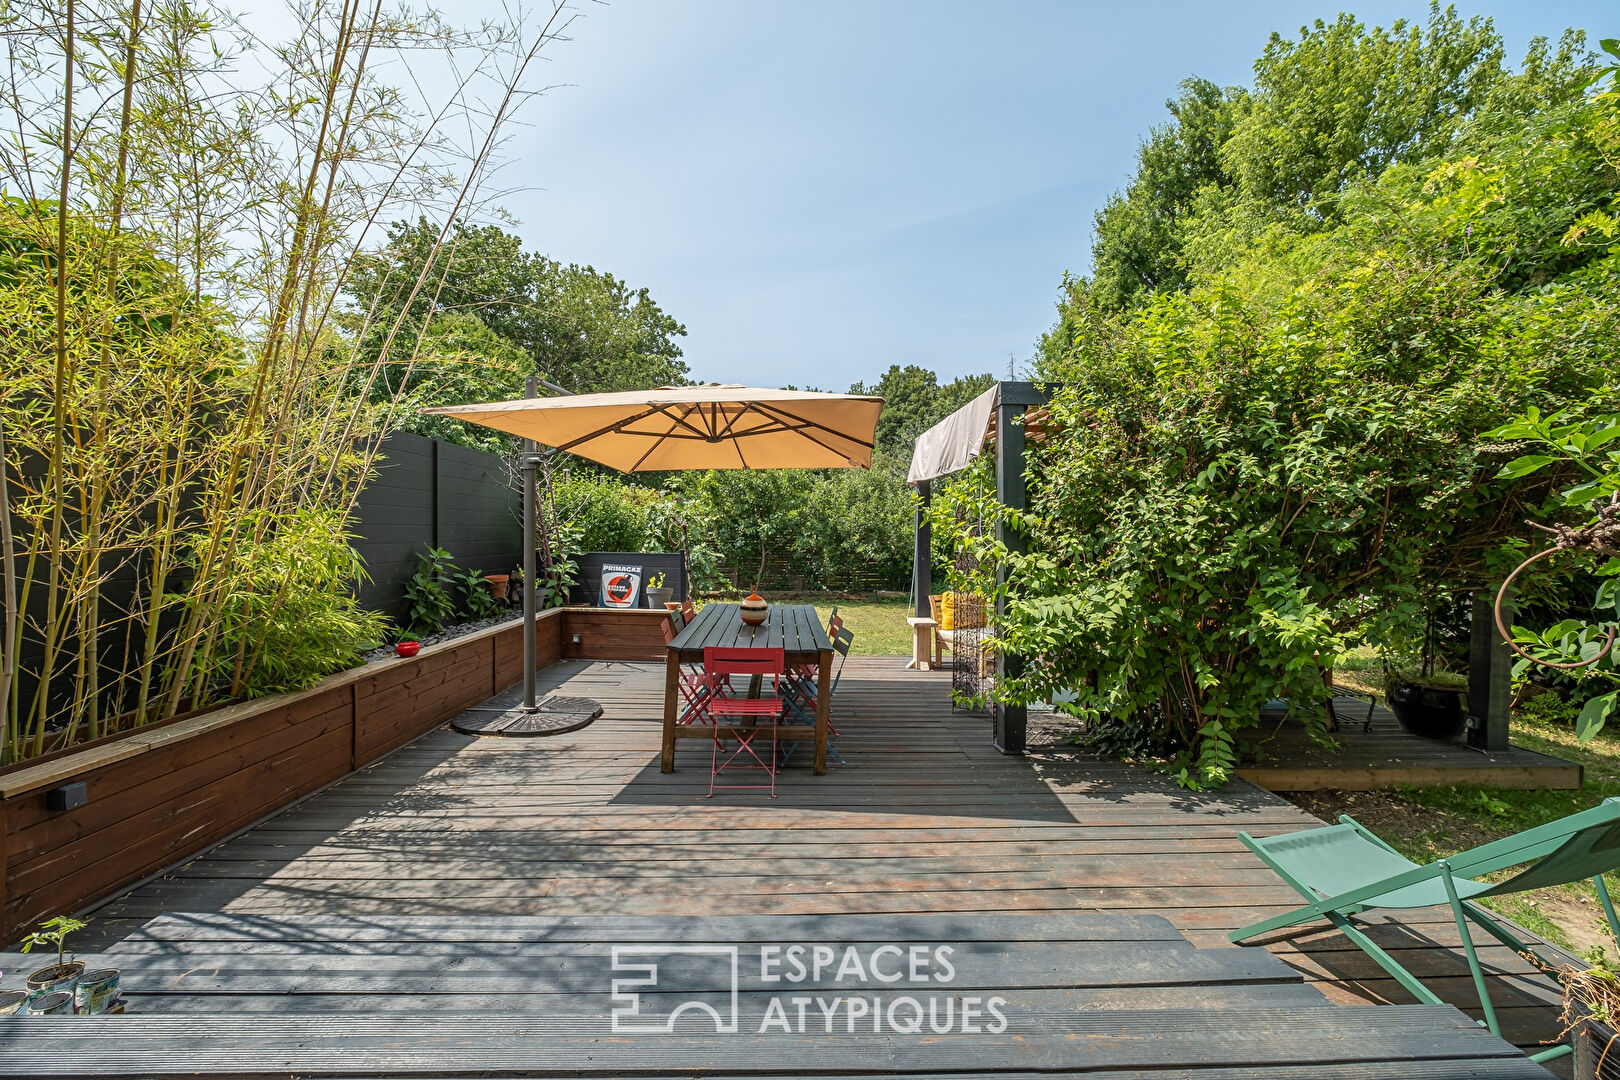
[[719, 665]]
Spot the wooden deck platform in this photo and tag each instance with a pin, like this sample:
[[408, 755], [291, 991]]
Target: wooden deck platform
[[960, 996], [926, 818], [1386, 756]]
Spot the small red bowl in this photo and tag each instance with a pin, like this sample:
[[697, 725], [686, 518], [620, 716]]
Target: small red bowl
[[408, 648]]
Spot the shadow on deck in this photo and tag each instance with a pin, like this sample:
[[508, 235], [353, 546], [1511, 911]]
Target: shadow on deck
[[926, 817]]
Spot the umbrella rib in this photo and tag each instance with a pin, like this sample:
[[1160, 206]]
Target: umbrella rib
[[770, 427], [617, 425], [779, 412], [675, 422], [680, 421]]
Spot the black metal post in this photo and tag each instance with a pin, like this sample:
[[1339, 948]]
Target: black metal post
[[1490, 674], [922, 566], [530, 462]]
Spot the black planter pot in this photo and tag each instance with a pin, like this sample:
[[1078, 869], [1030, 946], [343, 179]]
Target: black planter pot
[[1597, 1051], [1433, 712]]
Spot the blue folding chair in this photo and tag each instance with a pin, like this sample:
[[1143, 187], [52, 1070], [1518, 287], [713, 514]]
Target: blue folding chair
[[799, 693]]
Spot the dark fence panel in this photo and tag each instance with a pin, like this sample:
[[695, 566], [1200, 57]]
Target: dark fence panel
[[429, 493], [588, 588]]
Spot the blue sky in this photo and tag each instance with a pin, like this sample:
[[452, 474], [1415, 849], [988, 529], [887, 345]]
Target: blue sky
[[818, 190]]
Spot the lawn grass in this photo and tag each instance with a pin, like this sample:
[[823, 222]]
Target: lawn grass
[[879, 622], [1426, 824]]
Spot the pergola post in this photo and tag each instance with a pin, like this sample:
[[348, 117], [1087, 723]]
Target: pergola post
[[1490, 674], [922, 566], [1015, 398]]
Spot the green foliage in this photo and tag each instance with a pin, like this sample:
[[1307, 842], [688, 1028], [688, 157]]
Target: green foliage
[[914, 401], [52, 933], [289, 616], [1590, 450], [429, 604], [1329, 112], [1138, 231], [472, 591], [605, 514], [498, 313], [1255, 473], [859, 517]]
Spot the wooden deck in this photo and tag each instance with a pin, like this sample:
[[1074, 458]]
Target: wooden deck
[[1386, 757], [926, 818]]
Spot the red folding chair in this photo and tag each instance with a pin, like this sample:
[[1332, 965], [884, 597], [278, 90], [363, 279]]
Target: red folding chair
[[719, 665], [693, 685]]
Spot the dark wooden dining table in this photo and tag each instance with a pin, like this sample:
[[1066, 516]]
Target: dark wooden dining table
[[794, 628]]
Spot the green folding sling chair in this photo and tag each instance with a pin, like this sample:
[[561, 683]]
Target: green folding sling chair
[[1344, 869]]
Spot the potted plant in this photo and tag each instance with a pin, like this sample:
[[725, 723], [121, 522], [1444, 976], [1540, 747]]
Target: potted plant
[[1427, 703], [658, 594], [62, 976], [499, 585], [1591, 1013], [1426, 699]]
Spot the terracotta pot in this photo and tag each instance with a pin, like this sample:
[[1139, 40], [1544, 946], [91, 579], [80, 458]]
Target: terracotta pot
[[754, 610], [499, 585], [672, 605]]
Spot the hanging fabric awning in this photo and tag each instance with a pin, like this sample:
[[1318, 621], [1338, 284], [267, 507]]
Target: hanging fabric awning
[[952, 444]]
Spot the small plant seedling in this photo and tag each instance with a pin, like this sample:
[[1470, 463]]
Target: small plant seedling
[[656, 581], [53, 932]]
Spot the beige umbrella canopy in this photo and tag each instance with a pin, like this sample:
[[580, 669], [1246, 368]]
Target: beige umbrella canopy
[[710, 426]]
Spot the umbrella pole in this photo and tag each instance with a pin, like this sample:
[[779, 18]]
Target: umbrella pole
[[531, 466]]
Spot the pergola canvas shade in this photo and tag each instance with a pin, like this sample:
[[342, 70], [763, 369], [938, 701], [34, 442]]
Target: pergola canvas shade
[[693, 427]]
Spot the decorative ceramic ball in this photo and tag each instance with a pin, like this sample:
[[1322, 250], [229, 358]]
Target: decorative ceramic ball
[[754, 610]]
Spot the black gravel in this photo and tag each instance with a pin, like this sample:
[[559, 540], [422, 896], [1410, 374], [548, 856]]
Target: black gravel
[[449, 633]]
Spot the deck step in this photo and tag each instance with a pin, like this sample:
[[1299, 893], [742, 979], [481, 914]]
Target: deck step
[[1276, 1042]]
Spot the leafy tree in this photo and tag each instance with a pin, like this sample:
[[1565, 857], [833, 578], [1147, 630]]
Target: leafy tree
[[574, 325], [602, 512], [1138, 239], [914, 401], [1343, 103], [1339, 105], [1250, 475]]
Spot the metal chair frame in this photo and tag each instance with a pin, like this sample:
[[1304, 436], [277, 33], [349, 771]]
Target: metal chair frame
[[719, 665]]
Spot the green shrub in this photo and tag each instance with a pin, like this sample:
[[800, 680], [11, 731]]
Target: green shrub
[[291, 604], [606, 514], [1250, 476], [429, 603]]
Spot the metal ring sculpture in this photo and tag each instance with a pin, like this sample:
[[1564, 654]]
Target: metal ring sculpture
[[1596, 538]]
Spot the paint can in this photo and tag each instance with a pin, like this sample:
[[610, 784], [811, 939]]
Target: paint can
[[53, 979], [12, 1001], [57, 1004], [96, 990]]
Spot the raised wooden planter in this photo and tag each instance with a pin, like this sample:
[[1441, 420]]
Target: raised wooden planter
[[162, 794]]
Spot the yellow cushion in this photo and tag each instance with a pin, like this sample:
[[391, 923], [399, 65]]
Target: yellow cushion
[[961, 611]]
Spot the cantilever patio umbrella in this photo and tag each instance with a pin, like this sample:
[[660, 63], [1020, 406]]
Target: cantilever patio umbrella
[[711, 426], [694, 427]]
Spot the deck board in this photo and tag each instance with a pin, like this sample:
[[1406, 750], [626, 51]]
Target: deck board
[[925, 819]]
